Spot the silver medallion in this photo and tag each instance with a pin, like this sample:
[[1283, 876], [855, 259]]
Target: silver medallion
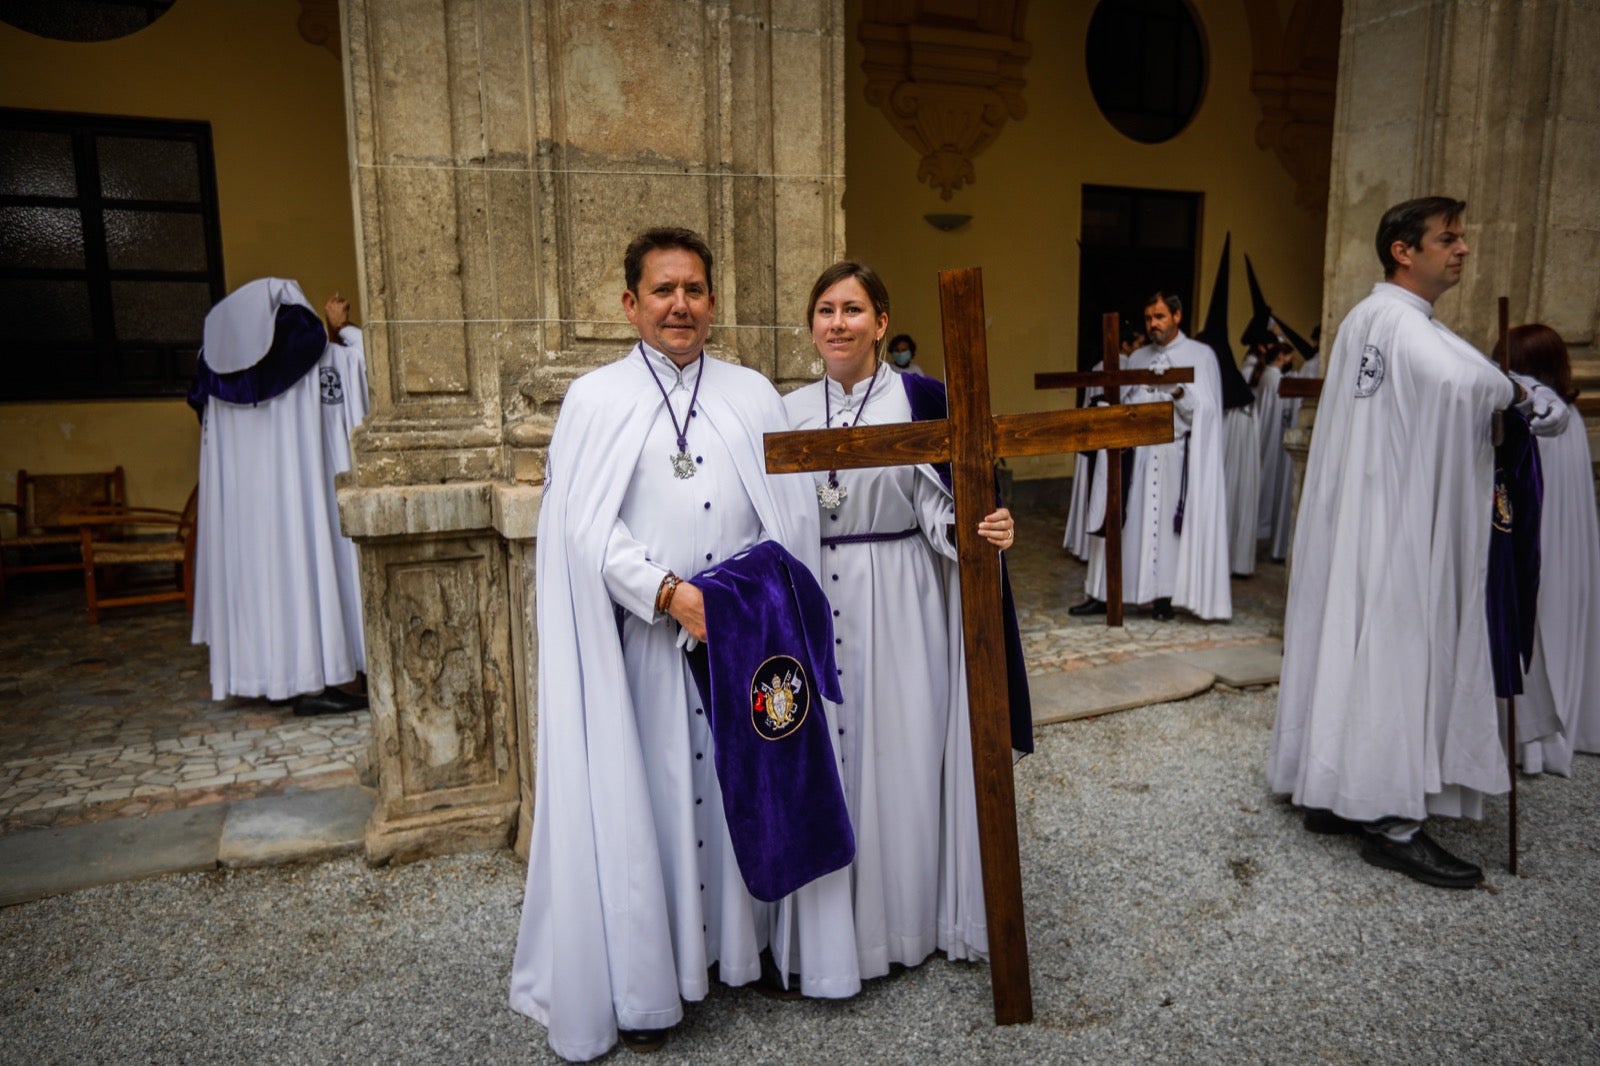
[[831, 496], [682, 465]]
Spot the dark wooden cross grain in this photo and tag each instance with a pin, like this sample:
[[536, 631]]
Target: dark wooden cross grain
[[970, 440], [1109, 380]]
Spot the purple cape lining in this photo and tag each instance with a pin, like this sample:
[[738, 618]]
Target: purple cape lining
[[1514, 556], [298, 341]]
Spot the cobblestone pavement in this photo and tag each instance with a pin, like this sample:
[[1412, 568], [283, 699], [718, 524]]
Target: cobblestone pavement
[[115, 720]]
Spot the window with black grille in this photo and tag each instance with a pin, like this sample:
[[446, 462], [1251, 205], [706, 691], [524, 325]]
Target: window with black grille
[[110, 254]]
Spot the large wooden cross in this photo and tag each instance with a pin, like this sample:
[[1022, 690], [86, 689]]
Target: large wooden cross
[[1110, 380], [971, 439]]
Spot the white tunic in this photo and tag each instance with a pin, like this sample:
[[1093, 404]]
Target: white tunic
[[904, 718], [633, 889], [1076, 540], [1564, 676], [1275, 517], [1241, 456], [1386, 705], [277, 591], [1192, 567]]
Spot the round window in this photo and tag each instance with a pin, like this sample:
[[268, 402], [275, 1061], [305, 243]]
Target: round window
[[1147, 67], [82, 20]]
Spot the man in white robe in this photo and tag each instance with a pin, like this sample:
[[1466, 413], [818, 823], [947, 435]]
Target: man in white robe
[[1175, 550], [277, 594], [1386, 708], [656, 469]]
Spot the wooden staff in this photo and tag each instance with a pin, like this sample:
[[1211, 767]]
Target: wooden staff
[[1511, 700]]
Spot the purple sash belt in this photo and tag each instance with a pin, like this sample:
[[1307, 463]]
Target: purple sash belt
[[869, 538]]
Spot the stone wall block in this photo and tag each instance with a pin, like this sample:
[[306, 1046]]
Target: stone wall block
[[805, 107], [506, 51], [511, 236], [603, 212], [1569, 284], [798, 363], [422, 269], [410, 103], [441, 672], [609, 58]]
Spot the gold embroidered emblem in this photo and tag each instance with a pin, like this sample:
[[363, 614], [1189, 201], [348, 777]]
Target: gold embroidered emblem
[[779, 697], [1502, 507]]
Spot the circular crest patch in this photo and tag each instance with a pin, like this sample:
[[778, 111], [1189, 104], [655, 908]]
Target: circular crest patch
[[1370, 374], [779, 697], [332, 387]]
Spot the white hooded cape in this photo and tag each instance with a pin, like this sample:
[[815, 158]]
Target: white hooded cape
[[1564, 676], [277, 591], [1386, 705]]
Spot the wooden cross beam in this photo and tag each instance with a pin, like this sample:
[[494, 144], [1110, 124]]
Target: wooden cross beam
[[1109, 380], [971, 439]]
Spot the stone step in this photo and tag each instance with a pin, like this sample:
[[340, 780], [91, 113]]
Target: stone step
[[1063, 695]]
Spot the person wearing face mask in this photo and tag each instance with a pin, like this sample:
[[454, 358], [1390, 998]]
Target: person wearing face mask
[[903, 354], [889, 568]]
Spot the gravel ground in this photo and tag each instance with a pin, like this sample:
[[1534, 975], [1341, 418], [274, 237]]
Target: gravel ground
[[1176, 913]]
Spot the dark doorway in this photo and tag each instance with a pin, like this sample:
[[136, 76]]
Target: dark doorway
[[1134, 242]]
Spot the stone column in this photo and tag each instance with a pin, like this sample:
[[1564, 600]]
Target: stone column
[[504, 152], [1490, 102]]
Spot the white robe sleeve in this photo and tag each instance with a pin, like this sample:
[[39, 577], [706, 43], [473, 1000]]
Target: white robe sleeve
[[631, 578]]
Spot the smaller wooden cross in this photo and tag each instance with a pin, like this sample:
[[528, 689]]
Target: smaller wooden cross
[[970, 440], [1109, 380]]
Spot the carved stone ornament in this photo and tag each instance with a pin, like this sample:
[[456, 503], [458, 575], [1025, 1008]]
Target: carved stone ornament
[[319, 24], [948, 76]]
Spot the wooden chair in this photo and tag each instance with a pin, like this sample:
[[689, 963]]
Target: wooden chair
[[101, 552], [40, 526]]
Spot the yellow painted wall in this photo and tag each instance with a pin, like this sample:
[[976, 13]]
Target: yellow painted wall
[[276, 108], [1026, 205]]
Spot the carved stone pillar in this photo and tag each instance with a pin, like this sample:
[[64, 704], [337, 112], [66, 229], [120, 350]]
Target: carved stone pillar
[[504, 152], [1492, 103]]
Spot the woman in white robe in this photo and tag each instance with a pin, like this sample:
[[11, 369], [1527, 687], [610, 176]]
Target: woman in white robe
[[1563, 677], [903, 727]]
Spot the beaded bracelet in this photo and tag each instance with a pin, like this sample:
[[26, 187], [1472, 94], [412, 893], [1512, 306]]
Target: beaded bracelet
[[669, 585]]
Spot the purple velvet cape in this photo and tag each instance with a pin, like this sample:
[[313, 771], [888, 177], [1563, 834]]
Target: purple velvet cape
[[927, 397], [298, 341], [767, 618], [1514, 554]]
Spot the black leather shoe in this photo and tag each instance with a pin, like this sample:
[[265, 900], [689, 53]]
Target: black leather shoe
[[643, 1041], [770, 983], [1421, 858], [1087, 607], [329, 701], [1162, 610], [1329, 824]]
